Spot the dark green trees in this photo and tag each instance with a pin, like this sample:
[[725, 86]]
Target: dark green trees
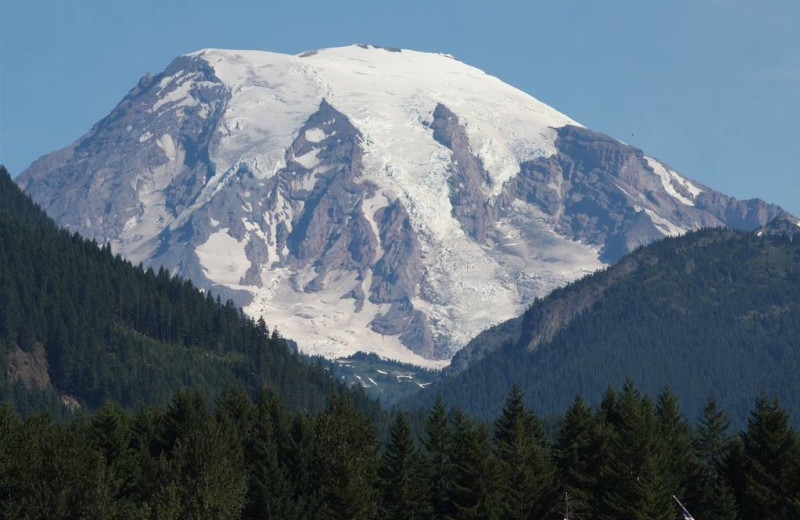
[[344, 463], [526, 474], [474, 476], [401, 477], [578, 454], [256, 460], [438, 468], [770, 464], [639, 485], [712, 493]]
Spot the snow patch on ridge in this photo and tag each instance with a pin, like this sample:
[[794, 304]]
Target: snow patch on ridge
[[315, 135], [667, 176]]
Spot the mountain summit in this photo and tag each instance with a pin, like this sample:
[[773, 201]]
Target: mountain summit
[[365, 198]]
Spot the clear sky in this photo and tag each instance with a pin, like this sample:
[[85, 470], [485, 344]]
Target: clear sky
[[711, 87]]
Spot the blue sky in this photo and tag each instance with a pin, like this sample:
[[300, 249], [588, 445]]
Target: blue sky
[[711, 87]]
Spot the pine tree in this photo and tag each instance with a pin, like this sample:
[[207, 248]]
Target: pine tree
[[770, 470], [402, 495], [472, 493], [673, 431], [526, 472], [711, 491], [111, 436], [578, 457], [345, 454], [638, 486], [438, 469], [270, 492]]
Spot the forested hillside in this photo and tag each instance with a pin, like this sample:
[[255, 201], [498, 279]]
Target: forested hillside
[[715, 312], [79, 324], [255, 460]]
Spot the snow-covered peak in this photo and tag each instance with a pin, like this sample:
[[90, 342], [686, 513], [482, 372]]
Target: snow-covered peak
[[362, 197], [389, 95]]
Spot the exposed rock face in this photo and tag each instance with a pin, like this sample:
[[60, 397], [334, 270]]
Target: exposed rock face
[[363, 198], [29, 368]]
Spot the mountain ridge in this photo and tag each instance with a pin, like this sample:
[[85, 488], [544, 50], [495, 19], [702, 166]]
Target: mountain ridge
[[365, 198], [713, 312]]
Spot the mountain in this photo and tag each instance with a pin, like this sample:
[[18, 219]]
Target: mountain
[[713, 312], [79, 325], [365, 198]]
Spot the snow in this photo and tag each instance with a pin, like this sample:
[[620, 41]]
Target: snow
[[664, 226], [324, 323], [309, 160], [223, 258], [369, 207], [315, 135], [180, 95], [166, 143], [691, 188], [667, 176], [390, 98]]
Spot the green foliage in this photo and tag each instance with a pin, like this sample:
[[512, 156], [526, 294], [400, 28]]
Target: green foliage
[[256, 459], [473, 491], [345, 452], [401, 477], [438, 467], [526, 473], [771, 466]]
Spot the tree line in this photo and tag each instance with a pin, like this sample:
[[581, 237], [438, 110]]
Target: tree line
[[252, 458]]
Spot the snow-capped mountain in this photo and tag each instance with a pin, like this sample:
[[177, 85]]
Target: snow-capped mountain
[[365, 198]]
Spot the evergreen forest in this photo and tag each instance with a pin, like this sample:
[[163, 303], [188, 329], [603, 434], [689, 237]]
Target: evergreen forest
[[80, 325], [253, 459]]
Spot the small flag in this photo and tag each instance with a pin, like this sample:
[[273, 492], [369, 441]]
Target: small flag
[[686, 514]]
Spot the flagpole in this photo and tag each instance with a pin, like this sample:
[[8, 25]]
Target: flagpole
[[686, 514]]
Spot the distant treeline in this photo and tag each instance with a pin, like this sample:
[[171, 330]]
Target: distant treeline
[[253, 459]]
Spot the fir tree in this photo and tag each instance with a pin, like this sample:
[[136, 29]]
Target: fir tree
[[578, 457], [472, 493], [526, 475], [345, 450], [638, 486], [770, 473], [711, 490], [438, 468], [402, 493]]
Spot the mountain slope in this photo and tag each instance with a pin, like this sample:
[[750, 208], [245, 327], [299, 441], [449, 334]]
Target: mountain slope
[[365, 198], [79, 325], [712, 312]]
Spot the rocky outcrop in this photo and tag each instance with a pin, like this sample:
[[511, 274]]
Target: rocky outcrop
[[467, 177], [600, 191], [28, 368]]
